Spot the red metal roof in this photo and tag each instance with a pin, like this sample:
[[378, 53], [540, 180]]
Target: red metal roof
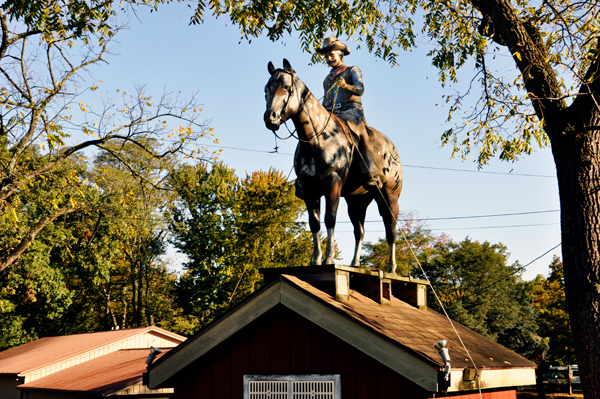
[[104, 375], [43, 352]]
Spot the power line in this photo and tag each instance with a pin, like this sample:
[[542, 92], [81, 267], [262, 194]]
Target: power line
[[467, 228], [462, 217], [512, 273], [498, 227], [404, 166], [245, 149], [477, 171]]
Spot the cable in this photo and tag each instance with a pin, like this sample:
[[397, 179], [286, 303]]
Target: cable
[[464, 228], [489, 216], [404, 166], [512, 273], [498, 227], [477, 171], [423, 271], [245, 149], [460, 217]]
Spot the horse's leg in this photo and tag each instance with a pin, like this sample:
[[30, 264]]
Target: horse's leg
[[314, 221], [388, 209], [332, 201], [357, 209]]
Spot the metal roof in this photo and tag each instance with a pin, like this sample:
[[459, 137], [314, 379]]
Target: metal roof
[[43, 352], [105, 375]]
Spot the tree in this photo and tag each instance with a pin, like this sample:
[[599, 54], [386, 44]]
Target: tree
[[229, 228], [138, 224], [553, 320], [552, 99], [93, 271], [480, 290], [45, 48], [420, 244]]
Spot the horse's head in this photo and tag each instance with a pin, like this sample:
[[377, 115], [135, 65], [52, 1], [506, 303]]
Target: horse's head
[[282, 94]]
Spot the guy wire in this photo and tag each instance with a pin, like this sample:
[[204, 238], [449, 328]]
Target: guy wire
[[477, 376]]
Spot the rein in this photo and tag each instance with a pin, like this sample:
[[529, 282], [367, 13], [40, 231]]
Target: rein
[[293, 134]]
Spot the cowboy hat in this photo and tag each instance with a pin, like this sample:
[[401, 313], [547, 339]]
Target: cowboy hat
[[332, 43]]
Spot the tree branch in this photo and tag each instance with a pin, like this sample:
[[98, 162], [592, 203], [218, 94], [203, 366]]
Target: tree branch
[[28, 239], [530, 57], [587, 97]]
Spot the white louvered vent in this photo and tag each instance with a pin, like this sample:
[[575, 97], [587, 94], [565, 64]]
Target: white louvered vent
[[268, 389], [312, 390], [299, 386]]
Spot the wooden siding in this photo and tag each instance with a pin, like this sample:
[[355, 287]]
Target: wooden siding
[[79, 395], [140, 389], [139, 341], [8, 386], [55, 395], [281, 342], [505, 394]]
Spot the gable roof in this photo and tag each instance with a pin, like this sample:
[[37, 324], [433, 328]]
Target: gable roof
[[32, 356], [105, 375], [417, 330], [399, 336]]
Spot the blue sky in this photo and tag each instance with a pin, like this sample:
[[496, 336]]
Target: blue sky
[[405, 102]]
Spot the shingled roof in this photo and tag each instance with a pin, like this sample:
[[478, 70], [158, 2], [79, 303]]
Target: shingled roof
[[400, 336], [416, 330]]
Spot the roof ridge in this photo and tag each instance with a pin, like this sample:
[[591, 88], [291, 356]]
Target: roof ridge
[[89, 349]]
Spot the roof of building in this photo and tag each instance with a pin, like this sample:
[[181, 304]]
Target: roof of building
[[46, 351], [105, 375], [400, 336], [418, 330]]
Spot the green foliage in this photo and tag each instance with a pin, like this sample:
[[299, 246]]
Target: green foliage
[[229, 228], [74, 18], [497, 113], [46, 45], [34, 296], [480, 290], [552, 319], [419, 241]]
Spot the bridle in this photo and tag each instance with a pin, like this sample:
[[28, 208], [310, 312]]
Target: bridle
[[284, 108], [291, 91]]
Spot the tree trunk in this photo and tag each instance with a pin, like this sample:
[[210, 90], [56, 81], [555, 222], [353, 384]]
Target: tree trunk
[[577, 158], [140, 287], [124, 307], [133, 296]]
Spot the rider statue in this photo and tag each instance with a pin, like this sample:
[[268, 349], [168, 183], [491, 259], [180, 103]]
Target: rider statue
[[343, 88]]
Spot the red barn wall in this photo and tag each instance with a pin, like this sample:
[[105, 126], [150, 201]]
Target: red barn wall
[[503, 394], [282, 343]]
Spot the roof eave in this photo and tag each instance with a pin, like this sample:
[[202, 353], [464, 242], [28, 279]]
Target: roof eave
[[134, 331], [409, 364]]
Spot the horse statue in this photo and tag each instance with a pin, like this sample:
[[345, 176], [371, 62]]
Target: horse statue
[[327, 163]]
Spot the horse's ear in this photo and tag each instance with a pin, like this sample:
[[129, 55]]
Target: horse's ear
[[270, 67], [287, 66]]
